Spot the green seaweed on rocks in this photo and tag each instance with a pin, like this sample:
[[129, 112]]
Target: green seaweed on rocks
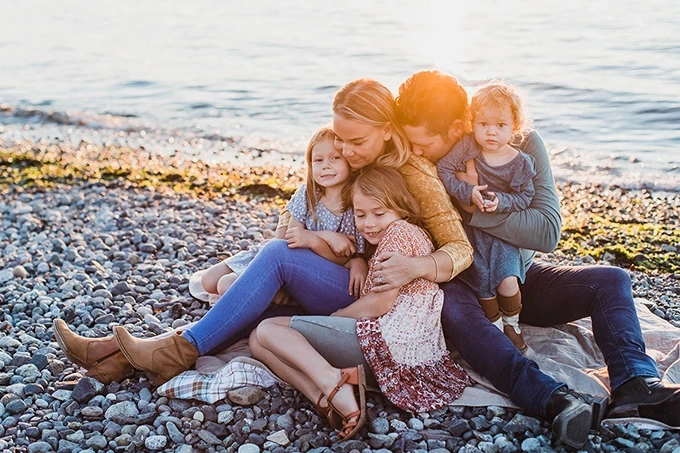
[[46, 164], [631, 229]]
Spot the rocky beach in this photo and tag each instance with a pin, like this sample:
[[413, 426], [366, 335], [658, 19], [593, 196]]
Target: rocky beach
[[103, 235]]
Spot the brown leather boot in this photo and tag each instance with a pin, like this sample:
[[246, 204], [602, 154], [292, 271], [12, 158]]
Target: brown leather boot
[[163, 357], [101, 357]]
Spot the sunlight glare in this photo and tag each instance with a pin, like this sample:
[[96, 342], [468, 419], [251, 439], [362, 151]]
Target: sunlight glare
[[444, 35]]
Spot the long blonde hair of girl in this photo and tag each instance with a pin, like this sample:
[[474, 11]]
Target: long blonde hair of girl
[[370, 102], [386, 185], [314, 190]]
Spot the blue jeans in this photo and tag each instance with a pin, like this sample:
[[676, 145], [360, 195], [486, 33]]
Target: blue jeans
[[551, 295], [318, 285]]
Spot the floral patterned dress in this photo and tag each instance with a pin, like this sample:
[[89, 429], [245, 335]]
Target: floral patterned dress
[[405, 347]]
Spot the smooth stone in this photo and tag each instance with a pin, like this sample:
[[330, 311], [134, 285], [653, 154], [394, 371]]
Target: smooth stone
[[280, 437], [156, 442], [39, 447], [245, 396], [248, 448], [122, 409]]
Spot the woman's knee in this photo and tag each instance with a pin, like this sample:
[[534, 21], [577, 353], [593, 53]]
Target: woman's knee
[[274, 248]]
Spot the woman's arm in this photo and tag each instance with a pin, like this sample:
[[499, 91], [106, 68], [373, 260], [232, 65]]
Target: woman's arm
[[443, 223], [537, 227], [372, 305]]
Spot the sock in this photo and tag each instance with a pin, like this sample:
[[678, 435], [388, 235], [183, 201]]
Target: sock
[[510, 305], [492, 312]]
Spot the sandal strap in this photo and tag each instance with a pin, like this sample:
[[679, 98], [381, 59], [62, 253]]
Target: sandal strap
[[348, 425], [343, 379]]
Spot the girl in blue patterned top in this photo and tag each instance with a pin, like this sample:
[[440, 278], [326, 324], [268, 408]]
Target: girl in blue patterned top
[[318, 221]]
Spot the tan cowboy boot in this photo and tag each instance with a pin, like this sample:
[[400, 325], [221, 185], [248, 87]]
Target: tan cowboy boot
[[163, 357], [101, 357]]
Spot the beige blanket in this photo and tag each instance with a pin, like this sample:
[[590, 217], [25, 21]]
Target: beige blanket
[[567, 352]]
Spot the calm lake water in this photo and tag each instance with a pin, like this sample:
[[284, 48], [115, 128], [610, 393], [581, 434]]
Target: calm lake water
[[602, 78]]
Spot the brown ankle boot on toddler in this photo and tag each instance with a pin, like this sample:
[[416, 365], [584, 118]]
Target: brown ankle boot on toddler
[[511, 307]]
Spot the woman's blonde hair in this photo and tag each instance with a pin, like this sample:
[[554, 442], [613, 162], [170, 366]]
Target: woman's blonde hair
[[496, 94], [386, 185], [314, 190], [370, 102]]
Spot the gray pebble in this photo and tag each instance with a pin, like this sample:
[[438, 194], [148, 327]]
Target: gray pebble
[[155, 442]]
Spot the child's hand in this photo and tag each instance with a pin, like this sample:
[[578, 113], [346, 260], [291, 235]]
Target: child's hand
[[281, 298], [358, 270], [477, 199], [491, 202], [298, 238], [341, 244]]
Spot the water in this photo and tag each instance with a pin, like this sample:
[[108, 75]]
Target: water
[[602, 79]]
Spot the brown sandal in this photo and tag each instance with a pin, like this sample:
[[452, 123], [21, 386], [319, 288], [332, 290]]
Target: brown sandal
[[334, 418], [351, 423]]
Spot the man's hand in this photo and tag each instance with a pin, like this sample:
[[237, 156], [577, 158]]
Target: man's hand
[[358, 269], [392, 271]]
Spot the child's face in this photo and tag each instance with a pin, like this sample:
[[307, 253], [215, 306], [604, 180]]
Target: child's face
[[329, 168], [493, 128], [371, 217]]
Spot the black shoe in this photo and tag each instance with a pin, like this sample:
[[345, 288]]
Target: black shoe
[[647, 397], [571, 416]]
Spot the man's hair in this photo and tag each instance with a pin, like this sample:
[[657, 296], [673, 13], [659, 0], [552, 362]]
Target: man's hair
[[431, 99]]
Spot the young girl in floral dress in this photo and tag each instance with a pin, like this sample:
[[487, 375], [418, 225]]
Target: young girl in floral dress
[[393, 338]]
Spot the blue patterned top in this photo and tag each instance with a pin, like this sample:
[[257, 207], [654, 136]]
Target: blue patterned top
[[325, 219]]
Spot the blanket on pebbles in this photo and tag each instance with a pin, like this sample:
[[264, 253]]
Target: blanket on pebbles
[[566, 352]]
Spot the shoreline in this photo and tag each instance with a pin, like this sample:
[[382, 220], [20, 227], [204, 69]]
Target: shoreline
[[633, 229], [93, 243]]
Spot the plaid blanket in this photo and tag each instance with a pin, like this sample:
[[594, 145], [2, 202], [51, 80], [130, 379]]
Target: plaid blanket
[[212, 387]]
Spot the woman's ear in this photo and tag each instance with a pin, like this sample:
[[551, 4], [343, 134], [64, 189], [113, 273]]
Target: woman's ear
[[456, 130], [387, 131]]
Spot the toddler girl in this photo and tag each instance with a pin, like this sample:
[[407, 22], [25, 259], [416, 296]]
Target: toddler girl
[[394, 338], [318, 220], [505, 178]]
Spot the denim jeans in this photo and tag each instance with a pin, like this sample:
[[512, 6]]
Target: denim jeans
[[318, 285], [551, 295]]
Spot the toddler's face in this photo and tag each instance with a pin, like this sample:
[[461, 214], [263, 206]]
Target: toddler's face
[[493, 127]]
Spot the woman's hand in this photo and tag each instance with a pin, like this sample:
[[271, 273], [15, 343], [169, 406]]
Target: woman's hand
[[393, 270], [358, 269]]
